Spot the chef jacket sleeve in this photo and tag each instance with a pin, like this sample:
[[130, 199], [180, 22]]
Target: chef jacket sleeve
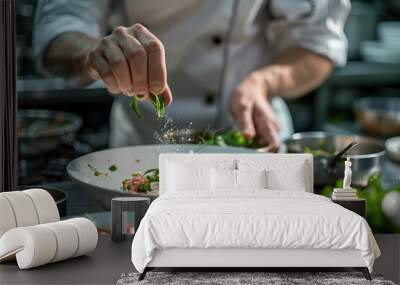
[[316, 25], [56, 17]]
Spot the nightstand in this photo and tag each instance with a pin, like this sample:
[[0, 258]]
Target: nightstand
[[356, 205]]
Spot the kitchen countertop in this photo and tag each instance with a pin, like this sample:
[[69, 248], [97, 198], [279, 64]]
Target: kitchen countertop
[[102, 266]]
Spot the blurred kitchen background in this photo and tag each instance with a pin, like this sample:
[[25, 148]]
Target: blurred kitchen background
[[373, 70]]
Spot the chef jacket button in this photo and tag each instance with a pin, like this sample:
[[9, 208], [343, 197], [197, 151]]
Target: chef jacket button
[[209, 99], [217, 40]]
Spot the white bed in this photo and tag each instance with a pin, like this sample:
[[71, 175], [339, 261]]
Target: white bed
[[200, 223]]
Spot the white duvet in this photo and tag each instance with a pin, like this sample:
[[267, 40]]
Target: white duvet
[[250, 219]]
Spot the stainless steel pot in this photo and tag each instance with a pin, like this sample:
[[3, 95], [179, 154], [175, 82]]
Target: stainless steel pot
[[35, 143], [367, 156]]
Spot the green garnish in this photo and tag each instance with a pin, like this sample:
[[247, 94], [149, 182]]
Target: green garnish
[[113, 167], [319, 152], [135, 106], [96, 172], [232, 137], [159, 106]]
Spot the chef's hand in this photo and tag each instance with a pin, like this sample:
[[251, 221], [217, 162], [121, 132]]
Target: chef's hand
[[131, 60], [253, 113]]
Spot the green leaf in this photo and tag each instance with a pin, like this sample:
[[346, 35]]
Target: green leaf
[[219, 140], [113, 167], [159, 105], [135, 106]]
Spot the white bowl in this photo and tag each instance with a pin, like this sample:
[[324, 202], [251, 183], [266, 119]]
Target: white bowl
[[389, 33], [128, 160], [392, 146], [379, 52]]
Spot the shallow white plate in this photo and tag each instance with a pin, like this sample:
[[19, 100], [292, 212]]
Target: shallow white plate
[[389, 33], [129, 160], [392, 146], [379, 52]]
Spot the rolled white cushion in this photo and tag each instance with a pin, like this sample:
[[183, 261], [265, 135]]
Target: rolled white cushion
[[67, 240], [7, 218], [33, 246], [23, 208], [45, 205], [40, 244], [87, 235]]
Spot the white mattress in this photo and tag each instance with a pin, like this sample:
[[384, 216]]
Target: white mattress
[[250, 219]]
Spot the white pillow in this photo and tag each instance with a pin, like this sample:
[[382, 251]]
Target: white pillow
[[224, 179], [251, 178], [279, 180], [188, 177], [283, 173]]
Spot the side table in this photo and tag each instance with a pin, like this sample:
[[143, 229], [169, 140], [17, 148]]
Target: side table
[[356, 205]]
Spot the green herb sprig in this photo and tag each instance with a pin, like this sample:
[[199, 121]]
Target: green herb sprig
[[135, 106], [158, 104]]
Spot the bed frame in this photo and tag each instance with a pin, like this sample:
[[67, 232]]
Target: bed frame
[[233, 259], [250, 259]]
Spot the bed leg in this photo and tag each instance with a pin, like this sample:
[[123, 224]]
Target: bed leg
[[364, 271], [142, 275]]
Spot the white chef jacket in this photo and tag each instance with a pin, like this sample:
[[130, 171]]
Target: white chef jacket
[[197, 35]]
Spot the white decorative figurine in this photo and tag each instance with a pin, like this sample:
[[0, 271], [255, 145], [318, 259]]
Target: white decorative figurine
[[347, 174], [345, 193]]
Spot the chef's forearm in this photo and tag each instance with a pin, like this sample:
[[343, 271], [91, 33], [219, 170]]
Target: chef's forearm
[[65, 56], [295, 73]]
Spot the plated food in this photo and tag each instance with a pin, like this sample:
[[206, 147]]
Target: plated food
[[232, 137], [138, 182]]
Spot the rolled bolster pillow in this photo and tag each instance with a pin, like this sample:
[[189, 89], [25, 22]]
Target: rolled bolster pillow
[[23, 208], [37, 245], [87, 235], [66, 238], [7, 218], [33, 246], [45, 205]]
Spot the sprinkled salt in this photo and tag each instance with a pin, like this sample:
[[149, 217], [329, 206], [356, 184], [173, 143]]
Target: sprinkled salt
[[170, 133]]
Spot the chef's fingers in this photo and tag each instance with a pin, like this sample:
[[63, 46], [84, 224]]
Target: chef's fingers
[[271, 116], [98, 68], [267, 130], [167, 95], [118, 63], [157, 71], [137, 61], [242, 111]]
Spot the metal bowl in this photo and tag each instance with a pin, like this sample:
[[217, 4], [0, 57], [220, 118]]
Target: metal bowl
[[367, 156], [378, 115], [45, 140]]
